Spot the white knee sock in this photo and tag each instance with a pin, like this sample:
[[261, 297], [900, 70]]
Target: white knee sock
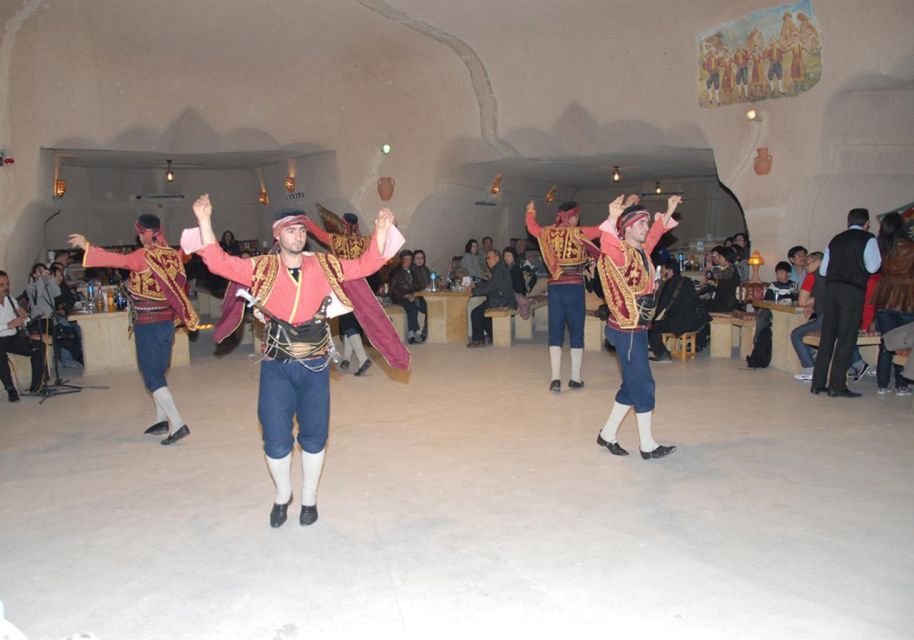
[[160, 412], [311, 465], [163, 398], [281, 472], [616, 416], [347, 348], [644, 431], [356, 342], [555, 361], [577, 358]]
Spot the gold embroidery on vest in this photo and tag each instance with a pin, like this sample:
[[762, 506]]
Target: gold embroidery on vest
[[348, 247], [622, 284], [566, 244], [333, 271]]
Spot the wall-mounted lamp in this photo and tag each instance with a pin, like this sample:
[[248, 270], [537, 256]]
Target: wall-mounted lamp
[[550, 195], [385, 149], [616, 175], [169, 174], [263, 198], [752, 115], [495, 189], [755, 261], [289, 183], [60, 188], [657, 188]]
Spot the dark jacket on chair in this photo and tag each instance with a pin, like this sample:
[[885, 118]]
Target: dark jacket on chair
[[679, 305]]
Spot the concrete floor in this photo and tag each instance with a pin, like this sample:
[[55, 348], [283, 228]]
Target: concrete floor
[[465, 500]]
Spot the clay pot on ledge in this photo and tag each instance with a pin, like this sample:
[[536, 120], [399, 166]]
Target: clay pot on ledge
[[386, 188], [763, 161]]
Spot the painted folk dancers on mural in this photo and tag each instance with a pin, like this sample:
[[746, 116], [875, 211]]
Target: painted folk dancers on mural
[[297, 291], [627, 275], [347, 246], [158, 294], [566, 249]]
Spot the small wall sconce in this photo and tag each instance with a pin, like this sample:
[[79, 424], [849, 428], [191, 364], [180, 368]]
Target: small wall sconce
[[616, 175], [496, 185], [550, 195], [289, 183], [657, 188], [169, 174], [263, 198], [755, 261], [60, 188]]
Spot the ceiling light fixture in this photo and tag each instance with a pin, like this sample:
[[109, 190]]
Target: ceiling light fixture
[[385, 149], [616, 175], [657, 188], [289, 184], [263, 198], [496, 185], [60, 188], [169, 174], [752, 115]]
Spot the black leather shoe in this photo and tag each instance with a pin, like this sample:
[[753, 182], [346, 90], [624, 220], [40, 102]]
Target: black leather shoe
[[364, 368], [614, 447], [575, 384], [183, 432], [814, 390], [344, 366], [308, 515], [278, 513], [843, 393], [13, 395], [659, 452], [157, 429], [555, 386]]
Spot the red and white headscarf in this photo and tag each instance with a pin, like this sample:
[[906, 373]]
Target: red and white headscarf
[[149, 228], [630, 216], [283, 219], [564, 217]]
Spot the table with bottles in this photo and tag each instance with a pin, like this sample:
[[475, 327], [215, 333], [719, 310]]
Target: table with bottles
[[107, 347], [447, 315]]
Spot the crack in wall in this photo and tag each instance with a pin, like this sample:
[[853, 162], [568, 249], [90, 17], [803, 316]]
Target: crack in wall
[[479, 76]]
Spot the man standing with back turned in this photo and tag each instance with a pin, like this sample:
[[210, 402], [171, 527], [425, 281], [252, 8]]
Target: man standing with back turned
[[849, 259]]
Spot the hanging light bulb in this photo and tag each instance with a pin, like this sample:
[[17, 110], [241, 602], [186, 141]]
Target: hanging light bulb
[[752, 114], [290, 183], [657, 188], [616, 175], [263, 198], [385, 149], [169, 174]]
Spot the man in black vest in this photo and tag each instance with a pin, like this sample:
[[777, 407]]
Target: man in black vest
[[850, 258]]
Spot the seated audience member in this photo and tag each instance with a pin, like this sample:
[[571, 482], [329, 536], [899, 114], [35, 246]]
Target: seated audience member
[[470, 260], [725, 283], [893, 297], [65, 259], [741, 240], [797, 258], [679, 310], [69, 338], [14, 339], [518, 282], [422, 275], [812, 301], [229, 244], [402, 291], [499, 293], [741, 264], [781, 289], [520, 248]]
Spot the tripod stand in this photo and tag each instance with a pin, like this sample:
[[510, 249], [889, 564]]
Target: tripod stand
[[59, 387]]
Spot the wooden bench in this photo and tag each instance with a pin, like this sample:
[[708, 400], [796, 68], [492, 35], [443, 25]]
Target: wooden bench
[[504, 318], [727, 330], [397, 315], [682, 347], [813, 340]]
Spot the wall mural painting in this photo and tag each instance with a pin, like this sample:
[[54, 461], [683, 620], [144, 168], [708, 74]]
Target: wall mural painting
[[774, 53]]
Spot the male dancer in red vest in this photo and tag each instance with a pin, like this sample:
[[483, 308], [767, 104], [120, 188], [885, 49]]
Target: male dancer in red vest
[[627, 275]]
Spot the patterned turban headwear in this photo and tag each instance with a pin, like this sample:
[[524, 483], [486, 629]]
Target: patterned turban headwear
[[149, 228], [350, 224], [630, 216], [287, 218], [566, 212]]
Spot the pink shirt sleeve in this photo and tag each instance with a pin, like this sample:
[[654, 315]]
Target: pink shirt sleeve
[[96, 257], [656, 232], [366, 264], [591, 233], [232, 268], [319, 234], [532, 225]]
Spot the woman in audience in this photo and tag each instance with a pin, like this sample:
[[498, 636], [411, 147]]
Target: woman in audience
[[893, 296], [229, 244], [725, 282], [518, 283], [470, 260], [402, 291], [422, 275]]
